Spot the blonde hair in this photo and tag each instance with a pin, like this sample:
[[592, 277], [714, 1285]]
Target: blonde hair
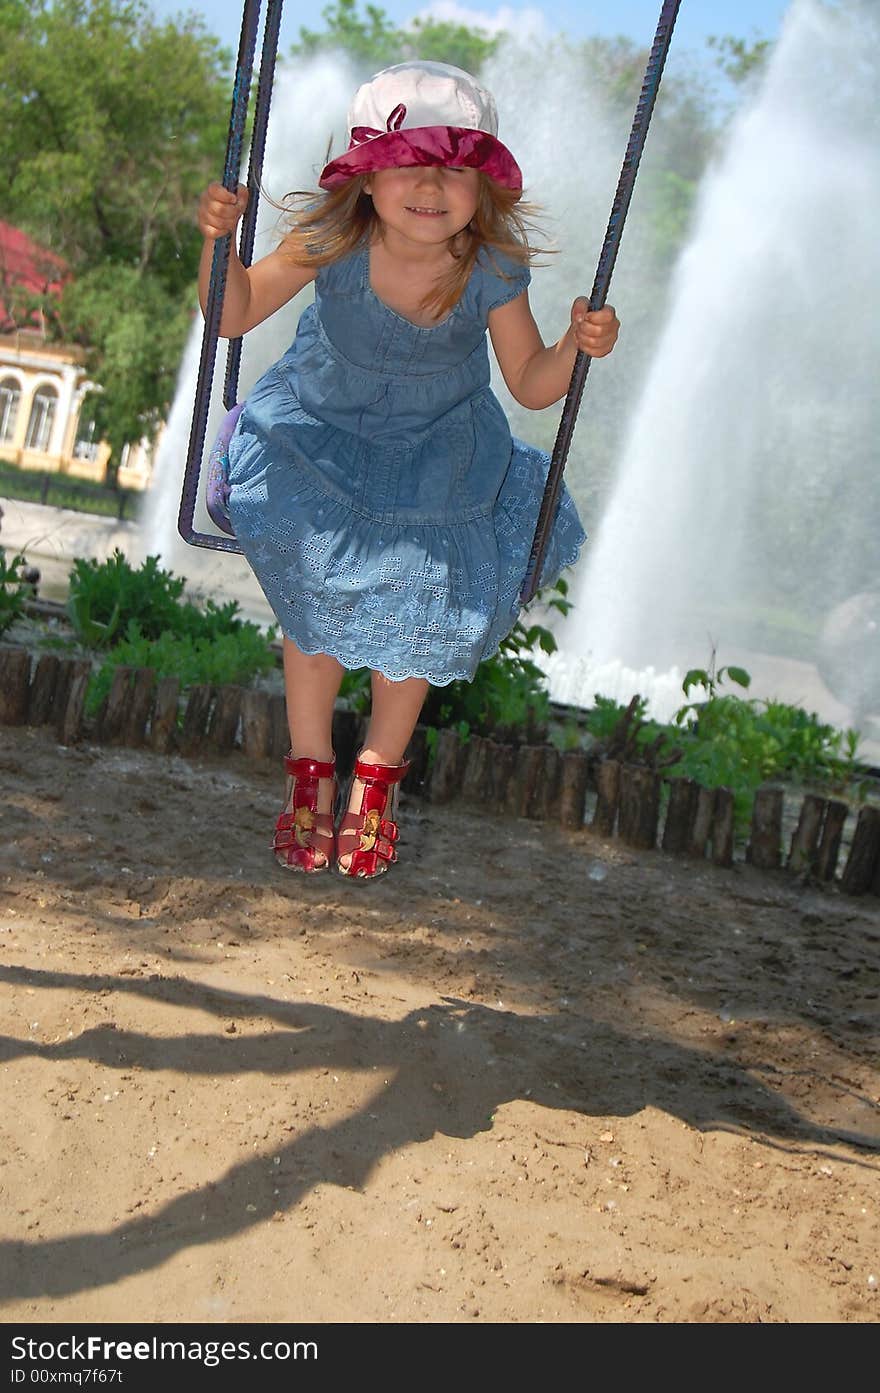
[[327, 226]]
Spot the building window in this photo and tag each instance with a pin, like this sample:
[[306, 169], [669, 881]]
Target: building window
[[86, 446], [42, 416], [10, 396]]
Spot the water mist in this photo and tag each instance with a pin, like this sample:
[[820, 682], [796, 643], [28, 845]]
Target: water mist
[[745, 510]]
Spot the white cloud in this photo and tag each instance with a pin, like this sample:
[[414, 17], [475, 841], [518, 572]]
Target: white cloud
[[521, 24]]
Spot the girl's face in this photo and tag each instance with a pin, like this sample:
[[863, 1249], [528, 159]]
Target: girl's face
[[427, 205]]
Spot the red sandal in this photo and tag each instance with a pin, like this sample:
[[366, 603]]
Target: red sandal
[[372, 834], [300, 822]]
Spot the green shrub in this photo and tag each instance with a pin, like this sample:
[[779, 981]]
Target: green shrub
[[105, 597], [141, 618], [111, 594], [604, 719], [235, 657], [739, 743], [13, 590], [729, 741]]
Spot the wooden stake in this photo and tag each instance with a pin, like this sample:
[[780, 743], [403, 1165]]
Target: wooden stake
[[546, 801], [42, 692], [639, 806], [140, 703], [832, 835], [447, 767], [722, 827], [15, 676], [608, 799], [163, 727], [255, 729], [69, 727], [575, 775], [417, 754], [864, 853], [225, 716], [345, 741], [114, 712], [502, 762], [280, 738], [475, 774], [679, 814], [704, 812], [524, 782], [765, 842], [195, 718], [805, 839]]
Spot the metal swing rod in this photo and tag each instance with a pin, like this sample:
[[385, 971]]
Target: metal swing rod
[[222, 247], [599, 293]]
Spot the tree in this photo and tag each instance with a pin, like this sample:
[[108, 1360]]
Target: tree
[[738, 59], [110, 125], [446, 42], [374, 42], [134, 332]]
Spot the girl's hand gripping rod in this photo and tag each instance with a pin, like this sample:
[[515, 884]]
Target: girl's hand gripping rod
[[607, 258]]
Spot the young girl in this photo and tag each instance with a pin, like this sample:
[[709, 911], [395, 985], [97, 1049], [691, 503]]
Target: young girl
[[373, 482]]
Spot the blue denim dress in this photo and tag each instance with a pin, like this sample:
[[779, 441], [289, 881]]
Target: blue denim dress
[[376, 489]]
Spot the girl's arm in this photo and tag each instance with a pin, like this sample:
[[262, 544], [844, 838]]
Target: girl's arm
[[537, 375], [254, 292]]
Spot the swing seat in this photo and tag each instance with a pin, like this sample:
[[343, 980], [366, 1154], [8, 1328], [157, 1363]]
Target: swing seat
[[217, 485]]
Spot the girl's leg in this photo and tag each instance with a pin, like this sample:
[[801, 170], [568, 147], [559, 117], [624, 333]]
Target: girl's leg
[[396, 708], [311, 686], [311, 683]]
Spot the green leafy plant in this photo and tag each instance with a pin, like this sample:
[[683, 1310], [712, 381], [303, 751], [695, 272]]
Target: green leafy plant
[[711, 680], [739, 743], [105, 597], [625, 732], [235, 657], [91, 632], [604, 716], [727, 740], [150, 596], [13, 590]]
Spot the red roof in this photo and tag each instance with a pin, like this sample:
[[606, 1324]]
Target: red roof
[[26, 269]]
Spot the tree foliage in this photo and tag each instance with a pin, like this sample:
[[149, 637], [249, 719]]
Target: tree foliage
[[374, 42], [135, 331], [110, 124], [740, 60]]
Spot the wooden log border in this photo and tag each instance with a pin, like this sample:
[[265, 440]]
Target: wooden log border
[[528, 781]]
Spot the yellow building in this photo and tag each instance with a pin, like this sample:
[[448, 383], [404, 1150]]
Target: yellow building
[[45, 423]]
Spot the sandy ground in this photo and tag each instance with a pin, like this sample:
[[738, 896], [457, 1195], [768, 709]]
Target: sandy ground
[[527, 1077]]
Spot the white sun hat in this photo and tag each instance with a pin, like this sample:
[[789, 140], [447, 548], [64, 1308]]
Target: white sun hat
[[423, 113]]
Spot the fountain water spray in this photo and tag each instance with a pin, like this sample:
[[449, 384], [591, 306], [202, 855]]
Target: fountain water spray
[[745, 507]]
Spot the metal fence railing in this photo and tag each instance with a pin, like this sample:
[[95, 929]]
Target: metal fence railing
[[61, 491]]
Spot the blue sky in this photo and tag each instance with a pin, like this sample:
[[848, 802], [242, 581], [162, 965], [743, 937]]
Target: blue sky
[[637, 19]]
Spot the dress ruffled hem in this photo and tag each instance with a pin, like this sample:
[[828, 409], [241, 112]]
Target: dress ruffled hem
[[406, 599]]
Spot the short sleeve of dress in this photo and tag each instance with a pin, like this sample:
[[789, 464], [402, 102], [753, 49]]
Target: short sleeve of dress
[[496, 279]]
